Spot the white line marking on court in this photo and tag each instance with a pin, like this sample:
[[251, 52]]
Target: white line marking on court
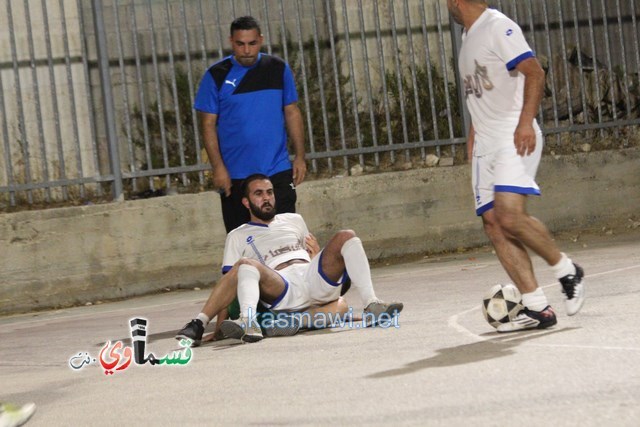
[[453, 321], [602, 273]]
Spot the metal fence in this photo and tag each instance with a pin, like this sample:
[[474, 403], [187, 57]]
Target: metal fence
[[96, 95]]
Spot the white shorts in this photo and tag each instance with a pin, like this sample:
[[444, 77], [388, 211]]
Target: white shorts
[[504, 171], [305, 286]]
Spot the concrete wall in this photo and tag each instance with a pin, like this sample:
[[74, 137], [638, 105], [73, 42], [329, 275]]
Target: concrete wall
[[67, 256]]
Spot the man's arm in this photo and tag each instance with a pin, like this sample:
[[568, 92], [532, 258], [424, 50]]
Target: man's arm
[[295, 130], [525, 136], [311, 245], [328, 311], [208, 125], [471, 138]]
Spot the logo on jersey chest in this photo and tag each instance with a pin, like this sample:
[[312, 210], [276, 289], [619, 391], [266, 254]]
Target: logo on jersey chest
[[263, 253], [478, 82]]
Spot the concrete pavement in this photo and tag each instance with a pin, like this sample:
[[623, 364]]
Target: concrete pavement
[[443, 366]]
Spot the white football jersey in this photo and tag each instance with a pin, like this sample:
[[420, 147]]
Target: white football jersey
[[494, 89], [280, 241]]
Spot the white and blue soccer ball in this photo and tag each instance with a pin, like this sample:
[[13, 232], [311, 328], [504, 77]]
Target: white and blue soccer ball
[[501, 304]]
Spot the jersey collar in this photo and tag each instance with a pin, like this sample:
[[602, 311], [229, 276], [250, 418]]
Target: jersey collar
[[259, 224], [484, 16], [236, 63]]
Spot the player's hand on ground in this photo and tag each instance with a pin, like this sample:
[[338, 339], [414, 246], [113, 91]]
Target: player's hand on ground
[[524, 139], [215, 336], [311, 245], [222, 181], [299, 170]]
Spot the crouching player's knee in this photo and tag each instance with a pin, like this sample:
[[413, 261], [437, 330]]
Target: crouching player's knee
[[345, 235], [246, 261]]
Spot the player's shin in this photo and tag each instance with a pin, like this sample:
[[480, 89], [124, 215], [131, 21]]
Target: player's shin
[[248, 290], [357, 265]]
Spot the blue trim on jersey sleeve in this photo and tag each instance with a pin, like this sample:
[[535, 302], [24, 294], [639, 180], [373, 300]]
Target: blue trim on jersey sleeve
[[482, 209], [226, 268], [511, 65], [324, 276], [517, 190]]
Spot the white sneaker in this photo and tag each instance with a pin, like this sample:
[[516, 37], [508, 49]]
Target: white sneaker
[[529, 319], [573, 289], [238, 329], [12, 415], [374, 310]]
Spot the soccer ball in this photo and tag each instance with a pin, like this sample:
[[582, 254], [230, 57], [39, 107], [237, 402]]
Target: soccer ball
[[501, 304]]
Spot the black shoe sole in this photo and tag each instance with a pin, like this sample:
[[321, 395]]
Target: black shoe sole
[[547, 324], [394, 307], [251, 338]]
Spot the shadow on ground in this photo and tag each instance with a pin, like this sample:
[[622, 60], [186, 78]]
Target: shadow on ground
[[492, 348]]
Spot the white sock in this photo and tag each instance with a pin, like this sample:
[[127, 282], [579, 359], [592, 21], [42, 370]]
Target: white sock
[[248, 289], [357, 265], [203, 318], [536, 300], [563, 267]]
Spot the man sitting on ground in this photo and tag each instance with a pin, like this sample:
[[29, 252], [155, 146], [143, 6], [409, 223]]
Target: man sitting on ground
[[266, 260]]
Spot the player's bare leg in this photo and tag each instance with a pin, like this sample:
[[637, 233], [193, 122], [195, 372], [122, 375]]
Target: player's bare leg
[[511, 231], [331, 310], [504, 225], [511, 215], [255, 282], [284, 324], [222, 293], [220, 297], [338, 306], [512, 254], [516, 261]]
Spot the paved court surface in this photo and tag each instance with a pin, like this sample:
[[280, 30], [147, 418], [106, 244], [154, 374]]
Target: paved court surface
[[443, 365]]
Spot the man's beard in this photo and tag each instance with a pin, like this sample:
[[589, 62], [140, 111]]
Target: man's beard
[[260, 214], [456, 15], [247, 61]]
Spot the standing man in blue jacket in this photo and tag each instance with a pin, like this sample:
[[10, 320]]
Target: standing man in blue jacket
[[247, 105]]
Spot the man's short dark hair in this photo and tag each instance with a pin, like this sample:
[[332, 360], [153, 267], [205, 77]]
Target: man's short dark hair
[[244, 23], [248, 180]]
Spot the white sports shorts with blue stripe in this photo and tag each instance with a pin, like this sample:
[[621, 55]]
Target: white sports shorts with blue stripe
[[505, 171], [305, 286]]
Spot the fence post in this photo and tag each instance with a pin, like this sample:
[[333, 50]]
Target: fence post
[[107, 99], [456, 41]]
